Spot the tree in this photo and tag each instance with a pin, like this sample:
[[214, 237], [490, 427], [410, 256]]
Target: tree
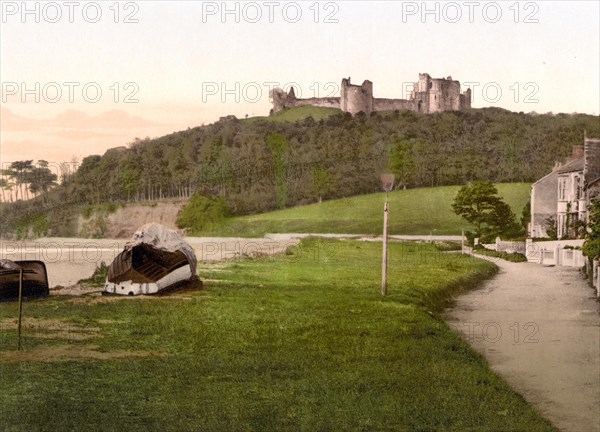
[[20, 171], [41, 179], [526, 215], [279, 150], [479, 204], [321, 182], [129, 176], [401, 162], [551, 228], [3, 187], [591, 247]]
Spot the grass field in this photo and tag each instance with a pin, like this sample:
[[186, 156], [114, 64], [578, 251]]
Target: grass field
[[298, 342], [414, 211], [298, 113]]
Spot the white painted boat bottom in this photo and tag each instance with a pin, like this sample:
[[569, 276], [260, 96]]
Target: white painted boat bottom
[[132, 289]]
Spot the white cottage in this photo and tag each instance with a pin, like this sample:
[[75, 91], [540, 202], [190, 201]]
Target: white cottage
[[564, 194]]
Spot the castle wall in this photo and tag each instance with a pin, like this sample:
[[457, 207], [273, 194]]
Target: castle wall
[[392, 104], [420, 101], [465, 100], [429, 95], [329, 102]]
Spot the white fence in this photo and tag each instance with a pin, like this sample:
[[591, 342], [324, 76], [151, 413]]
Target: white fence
[[561, 253], [557, 252]]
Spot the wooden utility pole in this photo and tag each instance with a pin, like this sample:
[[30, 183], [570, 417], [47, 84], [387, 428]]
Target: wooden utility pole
[[385, 248], [387, 181], [20, 308]]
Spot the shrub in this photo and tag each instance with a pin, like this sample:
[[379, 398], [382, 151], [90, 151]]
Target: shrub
[[95, 227], [512, 257], [98, 278], [201, 212], [446, 246]]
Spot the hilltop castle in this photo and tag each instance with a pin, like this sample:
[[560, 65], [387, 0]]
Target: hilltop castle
[[429, 95]]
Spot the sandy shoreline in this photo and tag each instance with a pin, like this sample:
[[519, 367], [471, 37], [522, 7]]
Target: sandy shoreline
[[69, 260]]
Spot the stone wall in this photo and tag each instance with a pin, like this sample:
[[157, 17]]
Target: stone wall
[[330, 102], [393, 105]]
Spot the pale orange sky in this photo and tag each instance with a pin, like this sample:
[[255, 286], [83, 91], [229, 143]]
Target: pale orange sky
[[183, 64]]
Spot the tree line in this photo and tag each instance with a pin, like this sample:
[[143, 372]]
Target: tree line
[[24, 180], [259, 164]]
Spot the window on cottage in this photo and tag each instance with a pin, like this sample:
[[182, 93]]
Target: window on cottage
[[561, 226], [562, 189], [578, 187]]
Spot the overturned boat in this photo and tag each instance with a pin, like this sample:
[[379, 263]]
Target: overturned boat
[[157, 259], [34, 283]]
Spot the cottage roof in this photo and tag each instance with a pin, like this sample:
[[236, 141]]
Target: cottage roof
[[575, 165]]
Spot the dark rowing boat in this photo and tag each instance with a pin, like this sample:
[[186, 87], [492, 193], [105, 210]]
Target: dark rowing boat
[[35, 279]]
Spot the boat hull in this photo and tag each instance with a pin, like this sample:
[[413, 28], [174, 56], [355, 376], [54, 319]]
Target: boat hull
[[175, 278], [35, 280], [157, 259]]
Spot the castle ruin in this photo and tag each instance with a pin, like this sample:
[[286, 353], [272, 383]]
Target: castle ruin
[[429, 95]]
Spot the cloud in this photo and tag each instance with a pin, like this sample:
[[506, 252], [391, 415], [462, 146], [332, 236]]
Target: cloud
[[11, 151], [53, 150], [79, 135], [13, 122], [114, 119], [74, 119]]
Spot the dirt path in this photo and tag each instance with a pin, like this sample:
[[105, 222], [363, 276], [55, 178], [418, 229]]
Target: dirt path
[[539, 328]]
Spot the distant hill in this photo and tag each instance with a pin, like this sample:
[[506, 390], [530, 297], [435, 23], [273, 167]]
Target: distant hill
[[301, 155]]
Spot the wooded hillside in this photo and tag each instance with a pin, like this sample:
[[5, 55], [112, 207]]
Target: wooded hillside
[[261, 164]]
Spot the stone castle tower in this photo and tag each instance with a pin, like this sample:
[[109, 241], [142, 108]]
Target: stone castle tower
[[439, 94], [354, 98], [429, 95]]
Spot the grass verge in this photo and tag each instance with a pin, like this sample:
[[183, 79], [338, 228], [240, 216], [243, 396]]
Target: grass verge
[[299, 342], [512, 257]]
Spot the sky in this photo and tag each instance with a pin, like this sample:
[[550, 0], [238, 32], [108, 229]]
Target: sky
[[81, 77]]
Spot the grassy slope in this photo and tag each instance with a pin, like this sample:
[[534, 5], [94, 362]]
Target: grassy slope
[[297, 342], [298, 113], [414, 211]]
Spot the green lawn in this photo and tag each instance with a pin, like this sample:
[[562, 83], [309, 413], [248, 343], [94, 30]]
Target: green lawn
[[298, 342], [298, 113], [414, 211]]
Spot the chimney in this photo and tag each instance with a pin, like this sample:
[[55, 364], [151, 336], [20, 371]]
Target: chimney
[[577, 153]]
